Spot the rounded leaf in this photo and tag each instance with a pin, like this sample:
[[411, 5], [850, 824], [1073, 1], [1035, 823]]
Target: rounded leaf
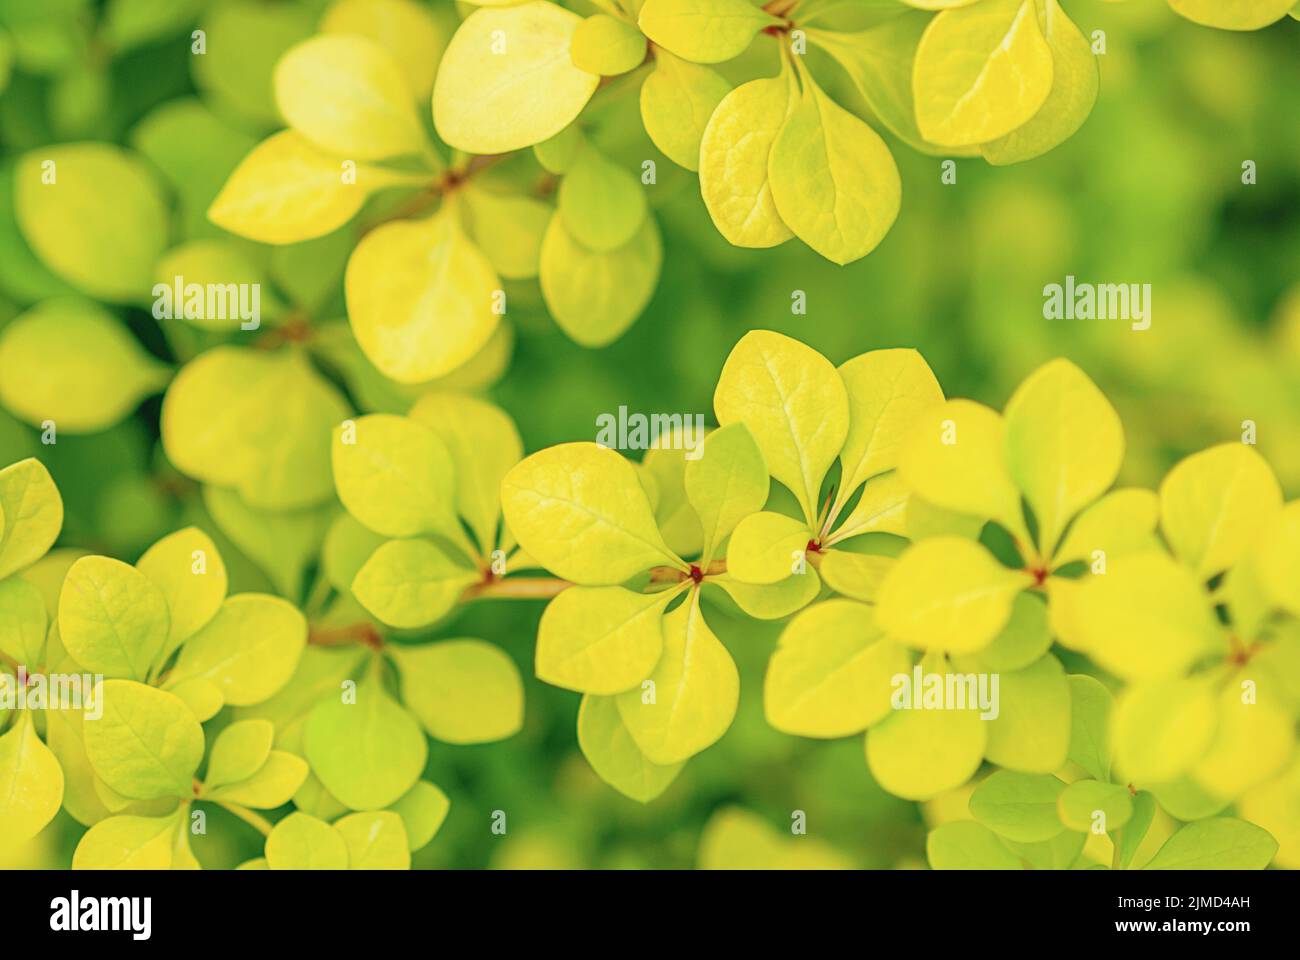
[[579, 510], [69, 362], [112, 618], [367, 753], [981, 71], [95, 215], [249, 650], [301, 842], [147, 744], [793, 402], [832, 672], [609, 748], [1064, 445], [834, 182], [600, 640], [692, 694], [347, 95], [507, 80], [1214, 504], [919, 754], [461, 691], [733, 162], [947, 593], [421, 297]]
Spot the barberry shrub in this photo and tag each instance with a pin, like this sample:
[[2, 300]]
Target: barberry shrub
[[327, 718], [911, 535]]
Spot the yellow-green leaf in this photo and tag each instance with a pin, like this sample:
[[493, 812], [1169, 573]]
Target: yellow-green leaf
[[507, 80], [422, 298], [947, 593], [600, 640], [1090, 709], [888, 391], [609, 748], [33, 514], [273, 785], [595, 296], [396, 476], [833, 180], [1162, 728], [733, 162], [1221, 843], [967, 845], [94, 213], [1075, 81], [365, 748], [1123, 521], [1214, 503], [461, 691], [508, 228], [348, 96], [793, 402], [1146, 617], [287, 191], [484, 444], [1023, 640], [215, 427], [1253, 742], [956, 459], [23, 623], [607, 45], [411, 583], [187, 568], [882, 508], [147, 744], [677, 101], [1232, 14], [239, 751], [767, 548], [690, 699], [703, 31], [1279, 560], [130, 843], [31, 783], [855, 575], [579, 510], [770, 601], [1031, 732], [726, 484], [112, 618], [301, 842], [1018, 806], [832, 672], [375, 840], [407, 30], [423, 809], [603, 204], [981, 71], [249, 650], [1086, 804], [69, 362], [919, 754], [1064, 445]]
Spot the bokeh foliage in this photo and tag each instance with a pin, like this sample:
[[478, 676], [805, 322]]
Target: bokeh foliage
[[1148, 191]]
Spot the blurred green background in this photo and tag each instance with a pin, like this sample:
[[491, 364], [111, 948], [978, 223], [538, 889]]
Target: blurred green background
[[1149, 191]]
